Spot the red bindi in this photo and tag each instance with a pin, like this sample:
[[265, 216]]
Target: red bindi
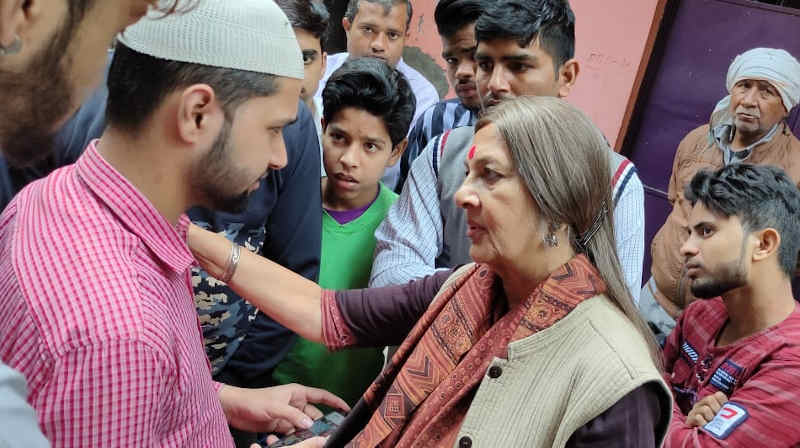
[[471, 154]]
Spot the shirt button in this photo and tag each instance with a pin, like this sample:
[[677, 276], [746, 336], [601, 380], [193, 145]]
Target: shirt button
[[495, 372], [465, 442]]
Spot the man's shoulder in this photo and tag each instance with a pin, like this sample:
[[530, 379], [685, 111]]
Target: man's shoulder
[[69, 256], [703, 311], [332, 63], [790, 331], [441, 106], [698, 136], [456, 141]]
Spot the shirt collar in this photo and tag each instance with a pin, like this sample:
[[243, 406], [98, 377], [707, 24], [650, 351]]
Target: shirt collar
[[136, 212], [723, 135]]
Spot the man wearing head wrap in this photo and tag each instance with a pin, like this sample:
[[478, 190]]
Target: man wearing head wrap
[[746, 126], [95, 290]]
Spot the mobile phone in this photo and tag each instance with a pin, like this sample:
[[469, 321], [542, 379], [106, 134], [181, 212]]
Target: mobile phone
[[322, 427]]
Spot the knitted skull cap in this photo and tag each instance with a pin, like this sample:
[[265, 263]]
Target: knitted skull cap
[[252, 35]]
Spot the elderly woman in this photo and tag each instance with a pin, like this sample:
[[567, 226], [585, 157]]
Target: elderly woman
[[537, 343]]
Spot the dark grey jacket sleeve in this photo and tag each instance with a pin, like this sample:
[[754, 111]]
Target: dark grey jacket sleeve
[[384, 316]]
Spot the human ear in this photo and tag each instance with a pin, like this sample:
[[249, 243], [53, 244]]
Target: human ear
[[767, 243], [567, 76], [397, 152], [198, 114]]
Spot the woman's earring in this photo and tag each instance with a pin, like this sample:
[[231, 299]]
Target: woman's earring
[[551, 239]]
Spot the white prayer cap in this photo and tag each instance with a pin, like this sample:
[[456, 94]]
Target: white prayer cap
[[252, 35], [777, 67]]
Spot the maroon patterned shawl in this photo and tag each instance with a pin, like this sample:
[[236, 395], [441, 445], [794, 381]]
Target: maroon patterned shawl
[[422, 397]]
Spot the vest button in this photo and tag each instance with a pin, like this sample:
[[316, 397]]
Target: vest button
[[465, 442], [495, 372]]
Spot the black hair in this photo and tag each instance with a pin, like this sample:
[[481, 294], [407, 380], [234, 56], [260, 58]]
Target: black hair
[[371, 85], [137, 83], [452, 15], [761, 196], [352, 8], [551, 21], [308, 15]]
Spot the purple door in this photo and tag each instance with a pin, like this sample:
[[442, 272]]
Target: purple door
[[686, 78]]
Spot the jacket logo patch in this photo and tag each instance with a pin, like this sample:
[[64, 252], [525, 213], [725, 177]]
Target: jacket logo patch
[[689, 352], [727, 420], [725, 376]]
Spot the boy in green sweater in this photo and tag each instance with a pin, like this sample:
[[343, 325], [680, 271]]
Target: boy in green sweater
[[367, 111]]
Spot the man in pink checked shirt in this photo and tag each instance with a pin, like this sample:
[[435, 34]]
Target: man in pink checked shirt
[[96, 308]]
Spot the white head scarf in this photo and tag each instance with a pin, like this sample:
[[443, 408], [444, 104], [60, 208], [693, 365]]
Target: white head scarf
[[775, 66]]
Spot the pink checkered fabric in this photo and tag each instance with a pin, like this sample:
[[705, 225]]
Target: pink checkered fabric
[[96, 310]]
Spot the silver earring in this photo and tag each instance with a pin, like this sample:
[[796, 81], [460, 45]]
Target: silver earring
[[14, 48], [551, 239]]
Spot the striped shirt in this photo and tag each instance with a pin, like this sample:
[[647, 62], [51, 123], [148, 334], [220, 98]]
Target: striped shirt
[[96, 311], [443, 116], [412, 236], [760, 375]]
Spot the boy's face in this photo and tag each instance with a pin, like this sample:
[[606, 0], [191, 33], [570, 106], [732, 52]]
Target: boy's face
[[314, 61], [357, 149]]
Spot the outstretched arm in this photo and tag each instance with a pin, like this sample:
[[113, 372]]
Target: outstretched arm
[[362, 317], [293, 301]]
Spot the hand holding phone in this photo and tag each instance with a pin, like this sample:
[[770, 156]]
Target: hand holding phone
[[322, 427]]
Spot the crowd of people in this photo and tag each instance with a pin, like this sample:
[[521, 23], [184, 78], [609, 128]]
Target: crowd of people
[[213, 233]]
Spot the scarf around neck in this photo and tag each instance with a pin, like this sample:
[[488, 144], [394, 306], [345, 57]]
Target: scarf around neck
[[421, 398]]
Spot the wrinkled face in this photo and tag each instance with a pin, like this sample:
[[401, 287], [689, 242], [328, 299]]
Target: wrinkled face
[[60, 64], [506, 70], [313, 60], [458, 52], [376, 33], [756, 107], [503, 222], [357, 149], [246, 150], [716, 254]]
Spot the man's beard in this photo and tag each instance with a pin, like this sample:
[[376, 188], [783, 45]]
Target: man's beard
[[35, 101], [214, 177], [730, 276]]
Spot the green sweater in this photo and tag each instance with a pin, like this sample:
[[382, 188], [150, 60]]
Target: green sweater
[[346, 263]]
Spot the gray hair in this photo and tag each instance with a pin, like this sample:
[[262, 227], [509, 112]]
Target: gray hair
[[563, 160]]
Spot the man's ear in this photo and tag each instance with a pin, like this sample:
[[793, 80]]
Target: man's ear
[[324, 61], [199, 114], [397, 152], [567, 75], [767, 243], [16, 16], [346, 25]]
